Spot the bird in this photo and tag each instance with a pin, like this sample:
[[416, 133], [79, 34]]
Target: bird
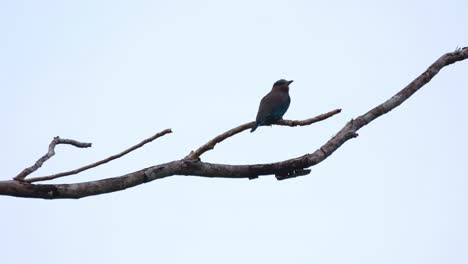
[[273, 105]]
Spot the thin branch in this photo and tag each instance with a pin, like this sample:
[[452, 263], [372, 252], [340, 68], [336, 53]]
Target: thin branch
[[95, 164], [293, 123], [195, 155], [51, 152]]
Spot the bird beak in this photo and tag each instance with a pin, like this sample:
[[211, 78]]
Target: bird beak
[[289, 82]]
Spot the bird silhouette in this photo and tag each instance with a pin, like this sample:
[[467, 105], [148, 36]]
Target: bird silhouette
[[273, 105]]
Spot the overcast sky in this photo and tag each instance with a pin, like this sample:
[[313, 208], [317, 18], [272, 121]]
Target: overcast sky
[[115, 72]]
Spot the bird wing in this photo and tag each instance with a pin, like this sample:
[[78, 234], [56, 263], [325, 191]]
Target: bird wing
[[273, 106]]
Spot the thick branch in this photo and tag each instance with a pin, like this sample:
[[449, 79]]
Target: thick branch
[[95, 164], [194, 155], [198, 168]]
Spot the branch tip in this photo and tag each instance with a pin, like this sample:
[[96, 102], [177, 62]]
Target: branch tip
[[51, 152]]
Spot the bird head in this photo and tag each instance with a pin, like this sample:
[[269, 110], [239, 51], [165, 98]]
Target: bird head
[[282, 85]]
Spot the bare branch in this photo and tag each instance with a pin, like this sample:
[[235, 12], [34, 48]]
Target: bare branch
[[293, 123], [193, 167], [195, 155], [95, 164], [49, 154]]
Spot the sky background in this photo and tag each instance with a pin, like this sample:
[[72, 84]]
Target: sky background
[[116, 72]]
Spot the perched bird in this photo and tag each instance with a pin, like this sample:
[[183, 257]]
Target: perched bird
[[274, 104]]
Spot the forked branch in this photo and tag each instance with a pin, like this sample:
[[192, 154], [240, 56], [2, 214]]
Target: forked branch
[[51, 152], [89, 166], [192, 166], [195, 155]]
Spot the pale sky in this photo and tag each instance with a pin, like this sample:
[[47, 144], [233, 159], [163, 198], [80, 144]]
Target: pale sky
[[115, 72]]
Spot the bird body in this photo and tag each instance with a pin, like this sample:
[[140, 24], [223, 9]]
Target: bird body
[[273, 105]]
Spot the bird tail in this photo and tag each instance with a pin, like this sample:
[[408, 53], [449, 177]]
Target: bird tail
[[254, 127]]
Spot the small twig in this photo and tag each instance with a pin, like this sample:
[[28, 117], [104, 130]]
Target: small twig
[[293, 123], [49, 154], [194, 155], [95, 164]]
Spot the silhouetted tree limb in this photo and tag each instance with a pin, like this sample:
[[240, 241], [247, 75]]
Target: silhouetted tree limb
[[192, 166], [51, 152], [95, 164], [292, 123]]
